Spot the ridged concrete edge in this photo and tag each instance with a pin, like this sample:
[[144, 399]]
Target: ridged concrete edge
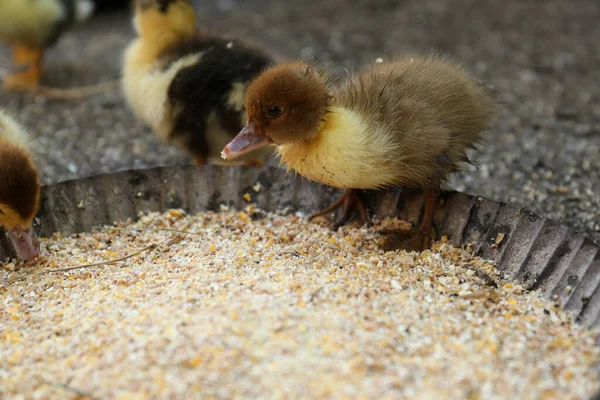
[[540, 253]]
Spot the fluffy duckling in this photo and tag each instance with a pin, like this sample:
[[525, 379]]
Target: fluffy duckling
[[19, 188], [408, 122], [31, 27], [187, 86]]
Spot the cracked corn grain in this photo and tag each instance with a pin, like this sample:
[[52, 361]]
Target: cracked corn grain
[[249, 306]]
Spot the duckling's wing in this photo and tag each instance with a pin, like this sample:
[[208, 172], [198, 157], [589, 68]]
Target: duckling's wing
[[211, 81], [208, 96], [426, 112]]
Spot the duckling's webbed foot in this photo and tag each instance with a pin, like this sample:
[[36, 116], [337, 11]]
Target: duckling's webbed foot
[[254, 163], [27, 69], [350, 201], [199, 160], [415, 239]]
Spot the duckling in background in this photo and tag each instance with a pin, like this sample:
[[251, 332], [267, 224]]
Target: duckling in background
[[30, 27], [19, 188], [110, 5], [408, 123], [187, 86]]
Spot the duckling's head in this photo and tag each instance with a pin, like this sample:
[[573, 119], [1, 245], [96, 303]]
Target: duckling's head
[[284, 104], [19, 190], [157, 16]]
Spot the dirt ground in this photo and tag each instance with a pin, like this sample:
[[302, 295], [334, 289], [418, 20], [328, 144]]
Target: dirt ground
[[541, 57]]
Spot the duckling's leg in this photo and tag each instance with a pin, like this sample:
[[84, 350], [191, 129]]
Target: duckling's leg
[[30, 58], [417, 238], [352, 198], [27, 73], [254, 163], [199, 160]]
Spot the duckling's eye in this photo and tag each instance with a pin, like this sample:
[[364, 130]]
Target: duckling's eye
[[274, 111]]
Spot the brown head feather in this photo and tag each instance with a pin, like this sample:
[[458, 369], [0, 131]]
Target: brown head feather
[[19, 180], [288, 101]]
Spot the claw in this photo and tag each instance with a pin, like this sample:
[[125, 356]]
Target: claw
[[346, 204], [415, 239], [254, 163], [199, 160]]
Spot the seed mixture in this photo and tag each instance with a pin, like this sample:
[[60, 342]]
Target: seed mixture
[[256, 304]]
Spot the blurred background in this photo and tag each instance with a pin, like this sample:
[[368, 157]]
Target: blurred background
[[541, 57]]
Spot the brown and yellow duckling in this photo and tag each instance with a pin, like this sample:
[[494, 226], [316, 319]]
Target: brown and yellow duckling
[[19, 188], [30, 27], [189, 87], [403, 123]]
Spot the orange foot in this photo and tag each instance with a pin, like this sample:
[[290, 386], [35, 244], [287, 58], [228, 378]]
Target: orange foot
[[254, 163], [199, 160], [415, 239], [29, 58]]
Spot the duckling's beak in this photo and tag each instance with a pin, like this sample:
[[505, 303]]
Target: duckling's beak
[[25, 242], [250, 138]]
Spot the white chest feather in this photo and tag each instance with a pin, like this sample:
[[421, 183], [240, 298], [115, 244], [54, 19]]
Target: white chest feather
[[347, 153], [145, 87], [11, 131]]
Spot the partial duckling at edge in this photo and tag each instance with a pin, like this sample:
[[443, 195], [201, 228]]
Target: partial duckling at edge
[[404, 123], [31, 27], [189, 87], [19, 188]]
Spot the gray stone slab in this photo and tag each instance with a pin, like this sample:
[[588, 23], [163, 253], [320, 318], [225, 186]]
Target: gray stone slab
[[544, 246], [457, 214], [483, 214], [562, 257], [494, 245], [573, 275], [584, 291], [174, 188], [91, 204], [118, 192]]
